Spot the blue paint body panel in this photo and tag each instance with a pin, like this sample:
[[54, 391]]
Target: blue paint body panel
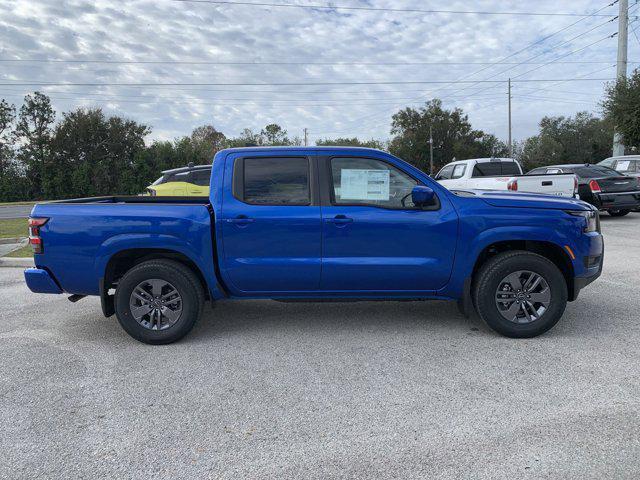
[[300, 251], [39, 281]]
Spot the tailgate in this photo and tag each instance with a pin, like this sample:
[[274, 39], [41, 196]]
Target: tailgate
[[561, 185]]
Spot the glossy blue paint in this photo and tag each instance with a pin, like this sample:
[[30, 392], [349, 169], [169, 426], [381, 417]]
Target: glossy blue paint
[[39, 281], [421, 195], [316, 251]]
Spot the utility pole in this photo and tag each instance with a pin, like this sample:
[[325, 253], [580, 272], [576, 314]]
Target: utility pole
[[305, 137], [430, 150], [623, 35], [510, 142]]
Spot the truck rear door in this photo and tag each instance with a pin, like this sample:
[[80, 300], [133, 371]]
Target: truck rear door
[[270, 224]]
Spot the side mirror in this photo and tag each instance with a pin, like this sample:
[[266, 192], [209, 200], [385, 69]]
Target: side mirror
[[422, 196]]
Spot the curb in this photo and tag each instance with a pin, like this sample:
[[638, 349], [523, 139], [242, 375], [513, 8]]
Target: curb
[[16, 262], [4, 241]]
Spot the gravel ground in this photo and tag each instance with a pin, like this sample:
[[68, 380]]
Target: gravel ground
[[262, 389]]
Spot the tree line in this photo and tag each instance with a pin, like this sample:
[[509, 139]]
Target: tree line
[[88, 153]]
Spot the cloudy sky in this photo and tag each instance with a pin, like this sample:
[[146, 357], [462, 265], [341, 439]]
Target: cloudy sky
[[175, 64]]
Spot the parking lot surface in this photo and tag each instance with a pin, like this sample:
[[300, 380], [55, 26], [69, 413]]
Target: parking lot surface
[[262, 389]]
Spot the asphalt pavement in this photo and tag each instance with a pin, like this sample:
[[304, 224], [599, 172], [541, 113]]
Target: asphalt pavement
[[262, 389], [15, 211]]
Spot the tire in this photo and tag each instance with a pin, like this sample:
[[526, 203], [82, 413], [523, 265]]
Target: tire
[[519, 264], [183, 291], [618, 213]]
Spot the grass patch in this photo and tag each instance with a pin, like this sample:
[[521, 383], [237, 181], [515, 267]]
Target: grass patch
[[13, 228], [23, 252], [17, 204]]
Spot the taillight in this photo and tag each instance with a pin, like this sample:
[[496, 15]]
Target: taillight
[[34, 234], [512, 185], [575, 185], [595, 188]]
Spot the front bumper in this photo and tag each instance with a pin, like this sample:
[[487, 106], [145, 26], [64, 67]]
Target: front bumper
[[40, 281]]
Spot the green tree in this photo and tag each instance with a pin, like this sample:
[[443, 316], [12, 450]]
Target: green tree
[[95, 155], [622, 106], [453, 136], [352, 142], [33, 132], [207, 141], [271, 135], [12, 181], [582, 138]]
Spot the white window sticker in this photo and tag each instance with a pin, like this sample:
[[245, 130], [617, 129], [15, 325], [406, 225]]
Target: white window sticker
[[364, 184], [623, 166]]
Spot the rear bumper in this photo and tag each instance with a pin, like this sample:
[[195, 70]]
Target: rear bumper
[[40, 281], [617, 200]]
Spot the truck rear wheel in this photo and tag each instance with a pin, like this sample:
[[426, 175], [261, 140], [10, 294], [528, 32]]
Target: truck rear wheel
[[520, 294], [159, 301]]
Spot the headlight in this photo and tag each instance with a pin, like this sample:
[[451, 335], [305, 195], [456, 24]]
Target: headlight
[[591, 219]]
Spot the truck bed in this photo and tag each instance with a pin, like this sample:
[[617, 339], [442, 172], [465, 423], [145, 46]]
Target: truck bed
[[138, 199]]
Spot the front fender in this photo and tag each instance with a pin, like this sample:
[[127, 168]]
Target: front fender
[[469, 251]]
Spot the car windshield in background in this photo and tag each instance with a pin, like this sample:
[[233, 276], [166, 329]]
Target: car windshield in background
[[595, 172]]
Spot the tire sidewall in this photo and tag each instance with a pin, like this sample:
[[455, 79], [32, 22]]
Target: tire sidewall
[[190, 303], [489, 284]]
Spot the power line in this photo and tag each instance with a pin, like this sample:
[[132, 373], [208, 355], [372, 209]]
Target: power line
[[533, 44], [384, 9], [205, 84], [231, 63]]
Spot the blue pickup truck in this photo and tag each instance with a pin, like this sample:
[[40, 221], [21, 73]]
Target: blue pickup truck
[[327, 223]]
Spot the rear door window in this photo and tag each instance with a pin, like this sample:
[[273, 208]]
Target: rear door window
[[458, 171], [445, 173], [276, 181]]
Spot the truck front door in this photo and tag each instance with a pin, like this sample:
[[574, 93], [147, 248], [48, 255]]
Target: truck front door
[[374, 238], [271, 229]]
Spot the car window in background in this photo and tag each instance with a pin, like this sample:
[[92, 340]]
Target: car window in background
[[627, 166], [510, 168], [201, 177], [537, 171], [178, 177], [366, 181], [608, 162], [487, 169], [458, 170], [596, 171], [158, 181], [553, 171], [445, 173], [276, 181]]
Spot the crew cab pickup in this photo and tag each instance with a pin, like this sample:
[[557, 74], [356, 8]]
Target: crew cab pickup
[[317, 223], [503, 174]]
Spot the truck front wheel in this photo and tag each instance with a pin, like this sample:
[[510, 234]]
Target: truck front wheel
[[520, 294], [159, 301]]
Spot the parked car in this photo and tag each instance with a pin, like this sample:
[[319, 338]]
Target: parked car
[[601, 186], [502, 174], [626, 164], [183, 182], [317, 223]]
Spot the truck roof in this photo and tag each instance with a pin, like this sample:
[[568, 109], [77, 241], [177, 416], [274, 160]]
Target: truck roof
[[299, 148]]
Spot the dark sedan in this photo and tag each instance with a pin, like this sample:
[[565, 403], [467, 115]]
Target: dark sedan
[[601, 186]]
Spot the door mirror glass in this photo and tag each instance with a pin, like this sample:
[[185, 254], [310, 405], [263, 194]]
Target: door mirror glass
[[422, 196]]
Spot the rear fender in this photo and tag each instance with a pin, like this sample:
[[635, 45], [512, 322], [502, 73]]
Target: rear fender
[[204, 261]]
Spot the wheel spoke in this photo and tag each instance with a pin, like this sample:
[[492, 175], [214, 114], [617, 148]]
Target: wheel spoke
[[514, 281], [172, 315], [139, 312], [543, 297], [535, 283], [156, 287], [526, 312], [512, 311]]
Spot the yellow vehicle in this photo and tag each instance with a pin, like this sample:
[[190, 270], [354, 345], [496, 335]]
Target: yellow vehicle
[[191, 181]]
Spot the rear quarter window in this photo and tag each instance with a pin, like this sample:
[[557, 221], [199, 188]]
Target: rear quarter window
[[595, 172]]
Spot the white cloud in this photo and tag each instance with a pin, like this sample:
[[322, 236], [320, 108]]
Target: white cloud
[[168, 30]]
